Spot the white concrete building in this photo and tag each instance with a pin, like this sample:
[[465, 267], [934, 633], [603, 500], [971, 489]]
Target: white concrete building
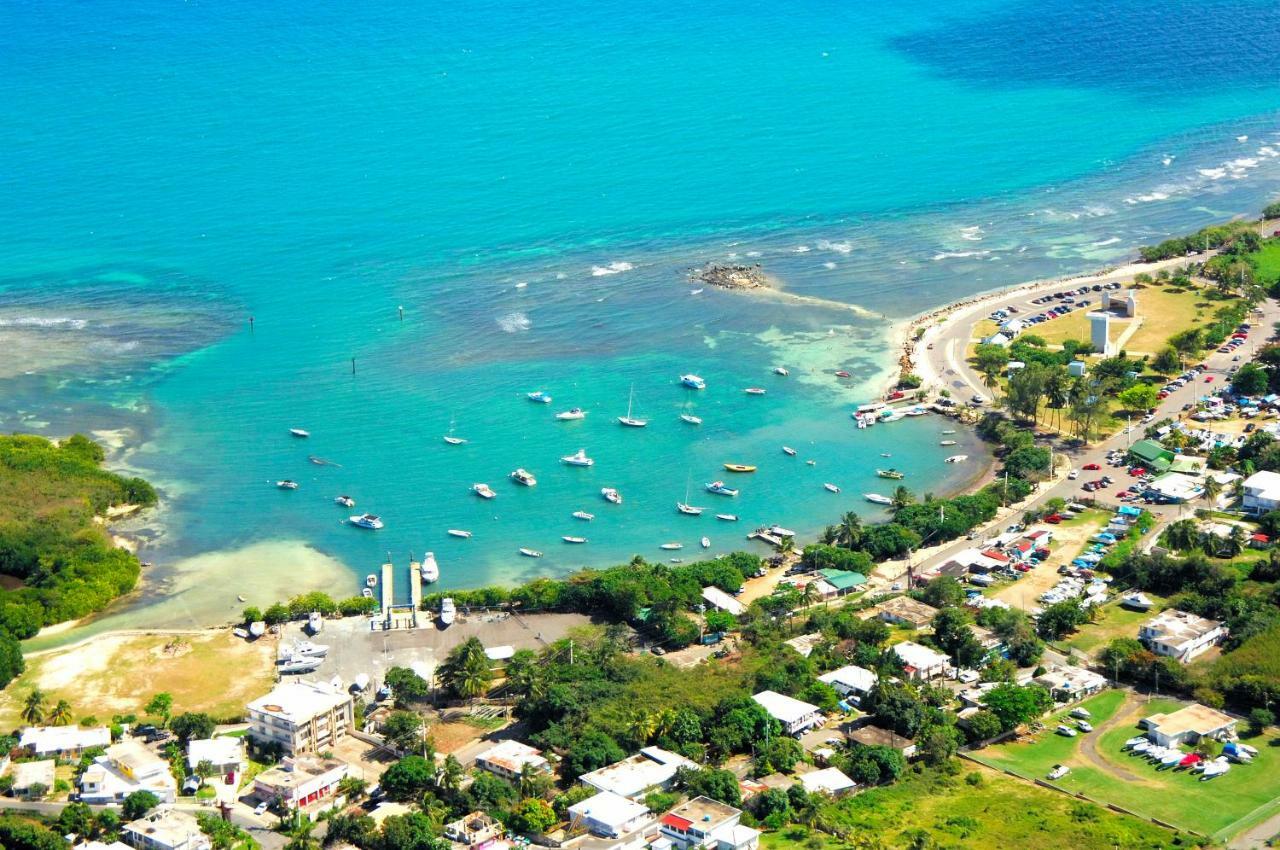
[[299, 781], [651, 768], [127, 767], [921, 662], [795, 716], [225, 754], [165, 829], [829, 780], [703, 822], [717, 598], [508, 759], [301, 716], [1188, 725], [32, 776], [64, 741], [850, 682], [607, 815], [1180, 635], [1262, 492]]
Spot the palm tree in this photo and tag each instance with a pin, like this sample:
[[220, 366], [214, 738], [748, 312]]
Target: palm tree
[[449, 779], [787, 546], [849, 530], [299, 832], [61, 714], [1235, 541], [1212, 489], [809, 594], [901, 498], [33, 708], [466, 671]]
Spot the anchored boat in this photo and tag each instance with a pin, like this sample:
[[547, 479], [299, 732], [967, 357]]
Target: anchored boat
[[579, 458], [366, 521], [539, 396], [890, 473], [611, 495], [693, 382], [739, 467], [523, 477], [483, 491], [721, 489], [877, 499], [571, 414]]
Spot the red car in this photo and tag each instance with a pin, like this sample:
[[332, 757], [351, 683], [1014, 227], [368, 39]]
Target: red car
[[896, 394], [1208, 379], [1091, 466], [1136, 471]]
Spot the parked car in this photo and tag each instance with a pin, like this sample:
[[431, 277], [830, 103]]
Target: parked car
[[1059, 771], [1073, 474], [1091, 467]]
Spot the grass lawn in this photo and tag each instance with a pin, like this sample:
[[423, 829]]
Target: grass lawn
[[1219, 808], [1164, 310], [213, 672], [1266, 262], [990, 812], [1115, 622]]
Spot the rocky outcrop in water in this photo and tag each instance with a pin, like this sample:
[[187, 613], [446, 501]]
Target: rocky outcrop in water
[[731, 276]]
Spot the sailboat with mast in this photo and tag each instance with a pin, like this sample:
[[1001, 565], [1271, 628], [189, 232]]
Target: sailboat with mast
[[629, 420], [686, 416], [450, 438], [686, 508]]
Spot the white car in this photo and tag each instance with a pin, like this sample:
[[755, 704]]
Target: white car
[[1073, 475], [1067, 731], [1084, 726], [261, 808], [1059, 771]]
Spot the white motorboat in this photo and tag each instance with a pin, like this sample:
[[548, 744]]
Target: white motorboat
[[568, 538], [671, 547], [780, 370], [811, 463], [1172, 757], [1137, 601], [294, 665], [949, 431], [571, 414], [830, 488], [689, 510], [693, 382], [720, 488], [483, 491], [308, 649], [299, 432], [727, 517], [458, 532], [448, 611], [286, 484], [947, 443], [523, 477], [877, 499], [787, 450], [430, 570], [629, 420], [611, 495], [583, 515], [1141, 747], [530, 553], [539, 396], [371, 580], [957, 459], [754, 391], [367, 593], [706, 542], [690, 418], [369, 521], [578, 458], [345, 501]]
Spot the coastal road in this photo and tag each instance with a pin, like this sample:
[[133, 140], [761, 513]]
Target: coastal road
[[241, 816]]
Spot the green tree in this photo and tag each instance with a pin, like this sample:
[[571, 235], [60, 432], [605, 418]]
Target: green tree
[[719, 785], [591, 751], [138, 804], [1166, 361], [33, 707], [533, 816], [1139, 397], [524, 675], [902, 497], [1251, 379], [408, 778], [159, 706], [354, 829], [1016, 704], [406, 685], [404, 730], [465, 672], [990, 361], [193, 726], [61, 714], [252, 614], [1061, 619]]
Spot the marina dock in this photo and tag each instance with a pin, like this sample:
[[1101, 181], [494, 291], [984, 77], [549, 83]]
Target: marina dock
[[388, 591]]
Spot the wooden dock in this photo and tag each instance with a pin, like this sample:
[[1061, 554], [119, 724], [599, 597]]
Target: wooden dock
[[388, 590]]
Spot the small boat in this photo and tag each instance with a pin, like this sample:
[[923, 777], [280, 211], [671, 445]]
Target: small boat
[[579, 458], [367, 593], [294, 665], [257, 629], [947, 443], [886, 454], [877, 499], [890, 473], [448, 611], [307, 649], [1133, 742], [727, 517], [611, 495], [1137, 601], [1141, 747], [754, 391], [693, 382], [739, 467], [1172, 758], [788, 451], [721, 489], [286, 484], [843, 374], [831, 488], [957, 458], [458, 532], [240, 598], [483, 491], [430, 570], [371, 580], [629, 420], [583, 515], [781, 370], [949, 431], [571, 414], [366, 521], [539, 396], [523, 477], [671, 547], [811, 463], [675, 560], [690, 418], [298, 432], [530, 553], [570, 539], [689, 510], [706, 542], [452, 440], [345, 501]]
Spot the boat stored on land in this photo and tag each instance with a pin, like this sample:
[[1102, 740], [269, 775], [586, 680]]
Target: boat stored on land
[[448, 611], [366, 521]]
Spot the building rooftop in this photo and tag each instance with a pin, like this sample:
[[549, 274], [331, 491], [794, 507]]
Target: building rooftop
[[28, 773], [512, 755], [1176, 626], [608, 808], [169, 827], [843, 579], [299, 701], [717, 598], [829, 780], [875, 736], [918, 656], [786, 709], [216, 751], [1265, 484], [47, 739], [297, 771], [638, 773], [1070, 678], [804, 644], [702, 812], [906, 608], [1196, 718], [851, 677]]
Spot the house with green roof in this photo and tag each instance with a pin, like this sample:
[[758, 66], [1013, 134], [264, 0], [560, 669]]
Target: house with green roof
[[1152, 455], [844, 581]]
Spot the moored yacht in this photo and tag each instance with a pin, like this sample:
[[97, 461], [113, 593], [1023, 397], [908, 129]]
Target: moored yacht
[[754, 391], [539, 396], [671, 547], [957, 458], [579, 458], [890, 473], [287, 484], [345, 501], [689, 510], [568, 538], [693, 382], [706, 542], [788, 451], [430, 569], [571, 414], [371, 580], [877, 499], [629, 420], [458, 532], [690, 418], [611, 495], [483, 491], [366, 521], [524, 477], [727, 517], [720, 488], [831, 488], [584, 516], [781, 370], [298, 432], [530, 553]]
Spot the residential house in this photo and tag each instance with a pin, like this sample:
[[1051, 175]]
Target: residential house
[[829, 780], [127, 767], [474, 830], [63, 741], [653, 768], [795, 716], [843, 582], [1151, 455], [165, 829], [1181, 635], [850, 682], [607, 815], [718, 599], [299, 781], [1261, 492], [225, 754], [1069, 684], [302, 716], [100, 845], [804, 644], [905, 611], [921, 662], [1188, 725], [33, 778], [509, 759], [706, 823], [875, 736]]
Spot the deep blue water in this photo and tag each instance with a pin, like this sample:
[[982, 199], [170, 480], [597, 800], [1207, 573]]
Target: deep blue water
[[169, 170]]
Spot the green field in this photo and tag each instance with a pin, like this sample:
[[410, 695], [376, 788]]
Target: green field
[[1219, 808], [1266, 262], [1114, 622], [996, 813]]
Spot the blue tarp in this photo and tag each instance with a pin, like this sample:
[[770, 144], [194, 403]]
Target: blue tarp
[[1129, 510]]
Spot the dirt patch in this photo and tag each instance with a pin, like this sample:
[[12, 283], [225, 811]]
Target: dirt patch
[[1068, 541], [1126, 716], [453, 735]]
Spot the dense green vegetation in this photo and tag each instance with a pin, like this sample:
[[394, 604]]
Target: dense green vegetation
[[1202, 240]]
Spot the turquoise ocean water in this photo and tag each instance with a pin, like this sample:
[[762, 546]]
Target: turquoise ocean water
[[530, 183]]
